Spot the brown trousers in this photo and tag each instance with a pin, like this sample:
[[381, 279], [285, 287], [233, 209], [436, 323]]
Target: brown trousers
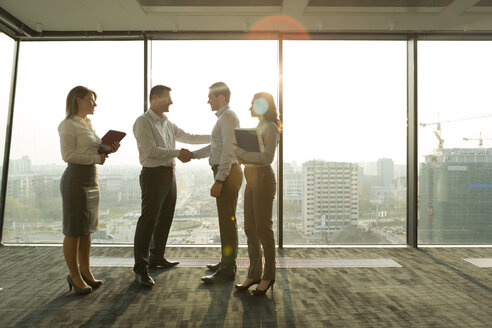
[[258, 205], [226, 207]]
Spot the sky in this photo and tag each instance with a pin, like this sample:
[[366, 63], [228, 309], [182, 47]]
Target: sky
[[344, 101]]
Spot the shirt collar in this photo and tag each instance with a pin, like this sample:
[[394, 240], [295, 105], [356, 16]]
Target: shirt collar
[[80, 119], [156, 117], [221, 110]]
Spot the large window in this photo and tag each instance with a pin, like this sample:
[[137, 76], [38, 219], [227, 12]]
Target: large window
[[189, 68], [345, 135], [344, 142], [455, 142], [6, 61], [47, 72]]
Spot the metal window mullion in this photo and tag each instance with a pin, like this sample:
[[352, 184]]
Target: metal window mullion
[[8, 137], [412, 139], [280, 161], [146, 71]]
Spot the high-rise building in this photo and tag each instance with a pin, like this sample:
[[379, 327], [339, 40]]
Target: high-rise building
[[330, 197], [292, 183], [455, 197], [386, 168], [20, 166]]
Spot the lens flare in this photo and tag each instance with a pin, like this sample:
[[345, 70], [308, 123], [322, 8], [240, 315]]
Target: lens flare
[[227, 250], [260, 106], [278, 23], [233, 218]]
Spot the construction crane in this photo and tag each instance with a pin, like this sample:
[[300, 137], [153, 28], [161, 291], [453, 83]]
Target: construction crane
[[480, 140], [438, 131]]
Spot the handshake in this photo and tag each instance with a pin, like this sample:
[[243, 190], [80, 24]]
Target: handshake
[[185, 155]]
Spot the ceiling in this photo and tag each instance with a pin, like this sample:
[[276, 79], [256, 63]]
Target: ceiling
[[39, 17]]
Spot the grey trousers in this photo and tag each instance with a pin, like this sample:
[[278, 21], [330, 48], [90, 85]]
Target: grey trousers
[[260, 191]]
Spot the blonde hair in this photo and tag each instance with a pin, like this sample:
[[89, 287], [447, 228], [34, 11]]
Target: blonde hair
[[77, 92]]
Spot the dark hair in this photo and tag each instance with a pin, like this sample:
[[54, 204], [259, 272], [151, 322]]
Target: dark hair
[[272, 113], [78, 92], [220, 88], [157, 90]]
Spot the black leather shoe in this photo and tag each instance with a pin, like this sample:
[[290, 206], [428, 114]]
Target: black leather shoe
[[213, 267], [162, 263], [144, 279], [221, 275]]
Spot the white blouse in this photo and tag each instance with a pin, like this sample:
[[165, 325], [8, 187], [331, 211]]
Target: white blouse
[[79, 142], [271, 136]]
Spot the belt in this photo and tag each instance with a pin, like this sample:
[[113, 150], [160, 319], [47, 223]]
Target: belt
[[158, 168], [215, 167]]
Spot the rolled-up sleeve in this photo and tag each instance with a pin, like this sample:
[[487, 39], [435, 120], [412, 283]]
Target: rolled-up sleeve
[[188, 138], [202, 152]]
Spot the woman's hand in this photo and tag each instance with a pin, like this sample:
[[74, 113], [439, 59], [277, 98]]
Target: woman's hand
[[236, 148], [236, 151], [115, 146], [103, 158]]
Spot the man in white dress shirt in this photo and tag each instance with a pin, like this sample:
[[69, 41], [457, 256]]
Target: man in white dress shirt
[[156, 140], [228, 178]]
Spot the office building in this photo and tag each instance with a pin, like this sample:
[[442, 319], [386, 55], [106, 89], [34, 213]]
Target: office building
[[455, 194], [330, 198]]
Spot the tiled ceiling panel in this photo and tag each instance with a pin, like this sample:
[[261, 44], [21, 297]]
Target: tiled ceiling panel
[[213, 3], [379, 3]]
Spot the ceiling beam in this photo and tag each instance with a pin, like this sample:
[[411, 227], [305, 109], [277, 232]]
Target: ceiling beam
[[294, 8], [14, 25]]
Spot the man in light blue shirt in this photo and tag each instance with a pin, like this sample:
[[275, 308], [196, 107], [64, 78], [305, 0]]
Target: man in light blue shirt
[[228, 178]]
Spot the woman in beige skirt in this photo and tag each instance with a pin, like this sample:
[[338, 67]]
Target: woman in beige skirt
[[79, 188]]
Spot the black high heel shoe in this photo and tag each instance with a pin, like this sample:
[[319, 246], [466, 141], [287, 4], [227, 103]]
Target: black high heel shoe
[[78, 290], [93, 284], [263, 292], [241, 287]]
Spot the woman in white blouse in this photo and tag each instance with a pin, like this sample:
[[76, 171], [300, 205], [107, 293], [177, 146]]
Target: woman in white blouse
[[79, 188], [260, 191]]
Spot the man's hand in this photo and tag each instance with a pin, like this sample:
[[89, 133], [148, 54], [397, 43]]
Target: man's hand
[[185, 155], [216, 189]]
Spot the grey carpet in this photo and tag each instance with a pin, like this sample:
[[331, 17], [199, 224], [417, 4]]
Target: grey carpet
[[432, 288]]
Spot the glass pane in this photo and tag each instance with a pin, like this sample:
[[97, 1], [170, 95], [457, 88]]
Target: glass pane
[[189, 68], [455, 147], [345, 142], [6, 61], [47, 72]]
